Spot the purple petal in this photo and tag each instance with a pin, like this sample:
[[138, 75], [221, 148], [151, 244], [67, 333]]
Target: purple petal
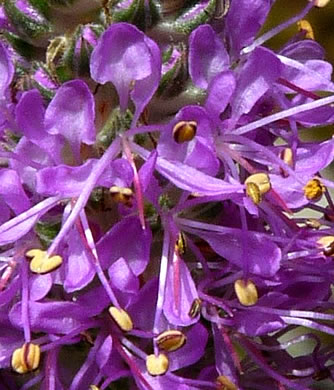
[[115, 244], [304, 50], [12, 191], [71, 113], [180, 293], [244, 19], [39, 286], [220, 91], [262, 256], [262, 69], [122, 277], [192, 351], [30, 118], [50, 317], [79, 270], [6, 69], [131, 61], [207, 55], [17, 227]]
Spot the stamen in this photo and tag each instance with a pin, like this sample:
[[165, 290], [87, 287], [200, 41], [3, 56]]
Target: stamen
[[223, 383], [327, 244], [184, 131], [257, 185], [320, 3], [122, 318], [287, 156], [181, 244], [122, 195], [42, 263], [314, 189], [171, 340], [157, 365], [195, 308], [26, 358], [246, 292], [305, 27]]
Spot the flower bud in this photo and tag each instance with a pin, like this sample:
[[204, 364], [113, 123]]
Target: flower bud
[[184, 131], [171, 340], [30, 21], [122, 318], [327, 244], [314, 189], [246, 292], [26, 359], [257, 185], [41, 263], [122, 195], [223, 383], [157, 365]]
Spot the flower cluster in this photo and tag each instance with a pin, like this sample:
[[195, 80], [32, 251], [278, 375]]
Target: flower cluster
[[152, 170]]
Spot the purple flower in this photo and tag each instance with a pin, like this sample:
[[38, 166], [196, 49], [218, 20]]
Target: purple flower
[[149, 229]]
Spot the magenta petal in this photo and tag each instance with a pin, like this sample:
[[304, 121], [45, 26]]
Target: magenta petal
[[71, 113], [207, 55], [6, 69], [180, 293], [115, 244]]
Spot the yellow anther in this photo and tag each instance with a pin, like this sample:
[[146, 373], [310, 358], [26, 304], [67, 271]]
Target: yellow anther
[[253, 191], [287, 156], [41, 263], [195, 308], [26, 358], [181, 244], [257, 185], [93, 387], [122, 195], [171, 340], [327, 244], [313, 223], [314, 190], [184, 131], [321, 3], [122, 318], [305, 27], [246, 292], [223, 383], [157, 365]]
